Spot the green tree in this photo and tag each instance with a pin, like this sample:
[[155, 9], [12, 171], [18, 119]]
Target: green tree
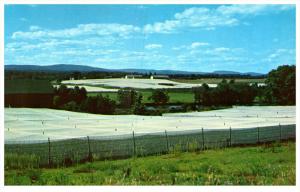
[[105, 105], [71, 106], [139, 108], [245, 93], [203, 95], [159, 96], [127, 97], [281, 86]]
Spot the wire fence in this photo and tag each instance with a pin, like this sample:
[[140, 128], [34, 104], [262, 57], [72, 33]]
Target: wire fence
[[78, 150]]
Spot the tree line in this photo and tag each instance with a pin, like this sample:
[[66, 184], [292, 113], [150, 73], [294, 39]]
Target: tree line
[[279, 90], [76, 99]]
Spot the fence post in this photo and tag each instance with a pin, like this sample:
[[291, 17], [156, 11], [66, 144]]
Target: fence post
[[49, 152], [258, 139], [280, 132], [89, 145], [230, 136], [203, 145], [167, 140], [133, 139]]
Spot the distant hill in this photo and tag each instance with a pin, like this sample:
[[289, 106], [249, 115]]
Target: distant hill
[[236, 73], [84, 68], [160, 72], [56, 68]]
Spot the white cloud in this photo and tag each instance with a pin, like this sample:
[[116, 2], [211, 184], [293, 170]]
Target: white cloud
[[244, 9], [209, 19], [103, 42], [192, 46], [34, 28], [153, 46], [80, 30], [195, 17], [279, 54], [195, 45], [55, 44], [165, 27]]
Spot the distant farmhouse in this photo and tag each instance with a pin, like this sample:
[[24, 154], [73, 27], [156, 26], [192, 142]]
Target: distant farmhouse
[[159, 77], [133, 76], [151, 77]]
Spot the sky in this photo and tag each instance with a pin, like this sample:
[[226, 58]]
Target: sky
[[201, 38]]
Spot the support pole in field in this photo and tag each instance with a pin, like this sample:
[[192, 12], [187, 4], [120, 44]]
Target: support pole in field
[[230, 136], [258, 139], [49, 152], [133, 139], [89, 145], [203, 144], [167, 141], [280, 132]]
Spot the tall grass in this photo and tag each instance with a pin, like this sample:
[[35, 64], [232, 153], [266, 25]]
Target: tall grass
[[269, 164], [21, 161]]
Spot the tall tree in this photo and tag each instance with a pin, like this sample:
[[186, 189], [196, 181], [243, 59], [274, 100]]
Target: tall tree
[[281, 85]]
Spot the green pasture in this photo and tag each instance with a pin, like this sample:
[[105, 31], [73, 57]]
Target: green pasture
[[267, 164]]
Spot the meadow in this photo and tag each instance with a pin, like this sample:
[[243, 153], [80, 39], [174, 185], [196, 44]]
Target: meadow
[[266, 164]]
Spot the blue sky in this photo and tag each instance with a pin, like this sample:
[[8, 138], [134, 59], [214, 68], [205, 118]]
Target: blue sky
[[206, 38]]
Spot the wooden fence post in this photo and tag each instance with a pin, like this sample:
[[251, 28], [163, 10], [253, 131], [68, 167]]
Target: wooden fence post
[[134, 148], [89, 145], [280, 132], [203, 144], [230, 136], [167, 141], [258, 139], [49, 152]]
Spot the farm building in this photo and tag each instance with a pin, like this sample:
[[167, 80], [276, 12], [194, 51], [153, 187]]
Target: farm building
[[28, 93], [159, 77], [133, 76]]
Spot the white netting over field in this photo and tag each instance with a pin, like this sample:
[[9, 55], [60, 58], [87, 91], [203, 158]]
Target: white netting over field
[[39, 124]]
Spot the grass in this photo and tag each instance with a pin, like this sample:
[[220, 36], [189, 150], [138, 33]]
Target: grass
[[175, 96], [272, 164], [218, 80]]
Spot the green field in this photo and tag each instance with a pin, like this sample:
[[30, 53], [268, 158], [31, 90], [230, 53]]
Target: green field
[[268, 164], [175, 96], [27, 86], [218, 80]]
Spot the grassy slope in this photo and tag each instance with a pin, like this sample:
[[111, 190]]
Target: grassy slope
[[264, 165]]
